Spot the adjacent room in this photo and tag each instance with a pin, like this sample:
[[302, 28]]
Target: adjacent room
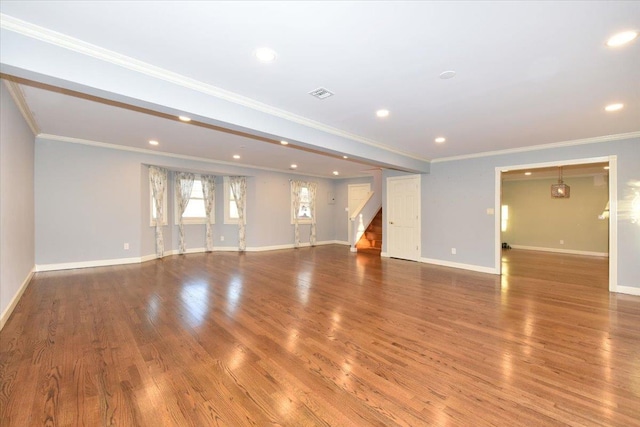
[[557, 215], [319, 213]]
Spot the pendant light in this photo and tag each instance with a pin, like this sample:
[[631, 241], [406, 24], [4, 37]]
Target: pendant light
[[560, 190]]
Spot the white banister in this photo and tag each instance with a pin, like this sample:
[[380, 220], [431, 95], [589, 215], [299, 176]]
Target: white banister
[[353, 215], [356, 232]]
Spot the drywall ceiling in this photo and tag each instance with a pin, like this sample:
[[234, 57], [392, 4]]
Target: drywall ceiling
[[527, 73]]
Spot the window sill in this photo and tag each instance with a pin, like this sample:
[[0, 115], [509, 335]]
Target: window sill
[[194, 221], [302, 222]]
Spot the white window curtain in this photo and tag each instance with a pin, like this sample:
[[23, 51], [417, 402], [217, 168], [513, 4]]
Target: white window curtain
[[209, 191], [313, 189], [238, 186], [296, 187], [158, 180], [183, 187]]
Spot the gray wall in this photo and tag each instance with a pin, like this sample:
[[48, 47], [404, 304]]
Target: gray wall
[[112, 188], [91, 200], [16, 200], [538, 220], [456, 194]]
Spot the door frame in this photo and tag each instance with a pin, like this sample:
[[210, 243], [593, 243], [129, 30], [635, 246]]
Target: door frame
[[613, 208], [385, 229]]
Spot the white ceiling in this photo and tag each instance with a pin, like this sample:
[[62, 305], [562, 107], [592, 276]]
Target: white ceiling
[[528, 73]]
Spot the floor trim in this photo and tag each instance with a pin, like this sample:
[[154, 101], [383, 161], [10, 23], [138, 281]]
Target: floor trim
[[149, 257], [16, 298], [561, 251], [462, 266], [629, 290]]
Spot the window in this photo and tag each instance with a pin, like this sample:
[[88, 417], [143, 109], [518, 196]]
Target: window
[[230, 208], [504, 217], [152, 219], [195, 212], [304, 212]]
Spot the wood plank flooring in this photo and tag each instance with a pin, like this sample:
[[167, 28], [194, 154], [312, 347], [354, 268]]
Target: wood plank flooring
[[317, 337]]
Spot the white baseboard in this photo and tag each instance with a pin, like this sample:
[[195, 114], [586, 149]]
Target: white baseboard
[[187, 251], [149, 257], [628, 290], [472, 267], [291, 246], [442, 263], [16, 299], [561, 251], [87, 264]]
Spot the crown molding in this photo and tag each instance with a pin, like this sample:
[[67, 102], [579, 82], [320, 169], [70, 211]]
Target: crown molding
[[55, 38], [117, 147], [18, 97], [594, 140]]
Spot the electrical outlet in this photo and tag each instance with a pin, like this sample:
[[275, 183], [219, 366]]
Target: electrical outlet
[[562, 242], [453, 251], [222, 238], [126, 246]]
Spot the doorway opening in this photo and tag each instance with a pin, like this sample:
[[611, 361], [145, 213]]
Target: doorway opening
[[567, 237]]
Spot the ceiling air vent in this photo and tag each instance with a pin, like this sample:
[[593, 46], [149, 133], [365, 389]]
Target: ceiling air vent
[[321, 93]]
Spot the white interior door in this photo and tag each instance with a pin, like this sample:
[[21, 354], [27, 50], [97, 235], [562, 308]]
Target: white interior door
[[356, 193], [403, 218]]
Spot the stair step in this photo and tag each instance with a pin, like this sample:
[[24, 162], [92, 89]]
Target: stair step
[[371, 240]]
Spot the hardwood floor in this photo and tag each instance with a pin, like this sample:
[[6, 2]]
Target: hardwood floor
[[315, 337], [562, 268]]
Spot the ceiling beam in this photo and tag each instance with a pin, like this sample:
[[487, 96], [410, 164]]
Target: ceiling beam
[[43, 56]]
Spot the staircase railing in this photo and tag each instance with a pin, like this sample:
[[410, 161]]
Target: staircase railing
[[357, 230]]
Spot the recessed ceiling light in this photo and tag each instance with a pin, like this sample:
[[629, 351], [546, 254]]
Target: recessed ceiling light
[[293, 166], [440, 140], [236, 156], [606, 168], [336, 173], [265, 54], [445, 75], [614, 107], [527, 173], [622, 38], [382, 113], [345, 157], [184, 118], [153, 142], [284, 142]]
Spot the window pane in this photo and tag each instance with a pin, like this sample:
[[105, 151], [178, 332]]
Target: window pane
[[305, 206], [195, 209], [304, 195], [505, 218], [233, 210], [305, 211], [196, 191], [153, 207]]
